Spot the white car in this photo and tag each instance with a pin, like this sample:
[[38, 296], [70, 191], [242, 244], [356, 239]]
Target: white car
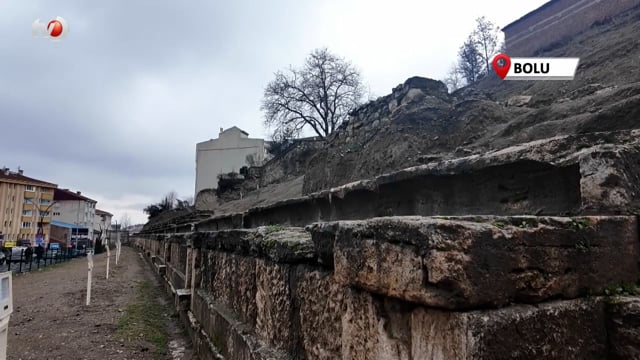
[[16, 252]]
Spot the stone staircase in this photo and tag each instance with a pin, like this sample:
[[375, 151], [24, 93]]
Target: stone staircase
[[396, 268]]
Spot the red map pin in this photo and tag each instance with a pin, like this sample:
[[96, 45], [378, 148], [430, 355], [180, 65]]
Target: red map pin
[[502, 64]]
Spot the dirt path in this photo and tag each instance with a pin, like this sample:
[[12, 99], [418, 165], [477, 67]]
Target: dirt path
[[128, 317]]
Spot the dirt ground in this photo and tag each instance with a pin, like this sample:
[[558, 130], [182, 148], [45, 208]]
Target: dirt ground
[[128, 317]]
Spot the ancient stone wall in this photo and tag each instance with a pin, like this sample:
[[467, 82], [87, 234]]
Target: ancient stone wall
[[389, 134], [292, 163], [404, 288], [329, 278], [558, 20]]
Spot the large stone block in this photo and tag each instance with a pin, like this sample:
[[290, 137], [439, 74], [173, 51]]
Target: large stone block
[[274, 305], [379, 328], [320, 301], [231, 337], [490, 261], [234, 283], [624, 327]]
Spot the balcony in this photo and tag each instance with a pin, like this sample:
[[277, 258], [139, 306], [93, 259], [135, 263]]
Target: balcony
[[26, 218], [46, 196], [28, 206], [29, 194]]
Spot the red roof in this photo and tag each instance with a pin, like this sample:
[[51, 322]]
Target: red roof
[[67, 195], [14, 177], [102, 212]]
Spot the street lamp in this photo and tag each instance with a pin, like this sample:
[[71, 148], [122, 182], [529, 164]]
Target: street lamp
[[40, 230]]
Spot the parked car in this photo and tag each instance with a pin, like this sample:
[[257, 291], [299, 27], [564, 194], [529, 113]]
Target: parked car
[[3, 258], [17, 252]]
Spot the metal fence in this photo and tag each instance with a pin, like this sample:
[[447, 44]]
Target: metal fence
[[22, 261]]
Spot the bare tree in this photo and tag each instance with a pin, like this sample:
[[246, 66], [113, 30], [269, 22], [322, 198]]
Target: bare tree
[[169, 201], [318, 95], [125, 221], [486, 38], [185, 204], [471, 63], [250, 160], [454, 79]]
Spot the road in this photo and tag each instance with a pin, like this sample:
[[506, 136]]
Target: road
[[128, 317]]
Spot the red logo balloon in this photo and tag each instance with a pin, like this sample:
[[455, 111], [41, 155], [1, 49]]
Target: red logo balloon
[[54, 27]]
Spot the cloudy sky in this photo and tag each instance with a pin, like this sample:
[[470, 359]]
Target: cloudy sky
[[116, 108]]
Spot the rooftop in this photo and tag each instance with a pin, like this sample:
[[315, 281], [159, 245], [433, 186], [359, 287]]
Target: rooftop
[[9, 176], [68, 195], [102, 212]]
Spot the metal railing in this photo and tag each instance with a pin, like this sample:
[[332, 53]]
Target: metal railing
[[23, 261]]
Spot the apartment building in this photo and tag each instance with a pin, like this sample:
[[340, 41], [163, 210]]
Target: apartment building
[[24, 204], [76, 211]]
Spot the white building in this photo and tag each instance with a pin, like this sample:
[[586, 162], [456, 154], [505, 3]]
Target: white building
[[225, 154], [101, 221], [74, 208]]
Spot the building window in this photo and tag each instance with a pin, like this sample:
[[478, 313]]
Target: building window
[[27, 213], [44, 213], [30, 188], [26, 224], [56, 213], [45, 201]]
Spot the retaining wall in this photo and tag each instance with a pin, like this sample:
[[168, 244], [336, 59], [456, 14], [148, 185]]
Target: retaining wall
[[558, 20], [404, 288]]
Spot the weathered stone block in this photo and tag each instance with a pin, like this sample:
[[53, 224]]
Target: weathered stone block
[[479, 262], [624, 327], [320, 301], [234, 339], [276, 243], [378, 328], [274, 305], [161, 269], [234, 283]]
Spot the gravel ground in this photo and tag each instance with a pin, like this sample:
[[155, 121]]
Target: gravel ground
[[128, 317]]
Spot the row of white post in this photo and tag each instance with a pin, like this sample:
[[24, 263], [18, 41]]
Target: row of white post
[[6, 296], [90, 265]]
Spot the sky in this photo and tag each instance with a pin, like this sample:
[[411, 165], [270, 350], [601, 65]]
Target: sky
[[115, 109]]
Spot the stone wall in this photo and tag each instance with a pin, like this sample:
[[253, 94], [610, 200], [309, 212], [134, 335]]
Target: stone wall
[[408, 265], [290, 164], [558, 20], [389, 133], [405, 288]]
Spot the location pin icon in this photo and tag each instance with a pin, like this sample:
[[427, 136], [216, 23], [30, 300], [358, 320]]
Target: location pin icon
[[502, 64]]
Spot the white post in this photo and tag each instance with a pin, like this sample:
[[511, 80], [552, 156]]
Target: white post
[[90, 267], [118, 246], [6, 308], [108, 257]]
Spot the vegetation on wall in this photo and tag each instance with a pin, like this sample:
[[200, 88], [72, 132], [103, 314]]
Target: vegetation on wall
[[168, 203]]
